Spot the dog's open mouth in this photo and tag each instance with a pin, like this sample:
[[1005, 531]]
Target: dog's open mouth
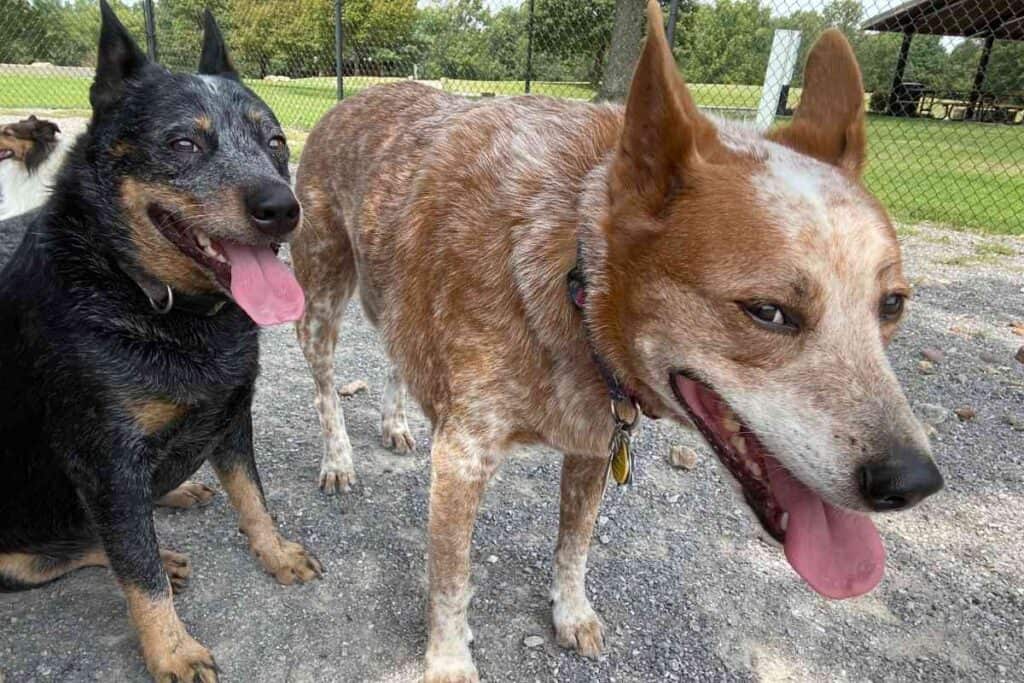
[[838, 552], [6, 154], [262, 285]]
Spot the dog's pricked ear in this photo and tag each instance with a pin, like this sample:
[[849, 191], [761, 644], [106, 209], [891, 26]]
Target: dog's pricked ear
[[215, 60], [829, 122], [119, 60], [662, 128]]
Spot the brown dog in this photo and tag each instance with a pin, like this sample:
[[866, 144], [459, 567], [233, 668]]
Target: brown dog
[[526, 258]]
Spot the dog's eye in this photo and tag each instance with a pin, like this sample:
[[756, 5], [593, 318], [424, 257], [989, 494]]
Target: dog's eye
[[770, 316], [185, 146], [892, 307], [277, 142]]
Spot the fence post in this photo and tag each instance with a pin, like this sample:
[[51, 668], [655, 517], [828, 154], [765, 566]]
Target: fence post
[[528, 77], [673, 15], [147, 11], [781, 62], [339, 42]]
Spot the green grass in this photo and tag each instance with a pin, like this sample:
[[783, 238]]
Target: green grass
[[965, 175], [962, 174]]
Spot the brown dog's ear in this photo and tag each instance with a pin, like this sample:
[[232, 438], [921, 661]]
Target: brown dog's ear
[[47, 131], [662, 125], [829, 122]]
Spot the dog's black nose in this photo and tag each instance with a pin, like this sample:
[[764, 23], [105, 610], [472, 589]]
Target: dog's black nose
[[273, 209], [904, 479]]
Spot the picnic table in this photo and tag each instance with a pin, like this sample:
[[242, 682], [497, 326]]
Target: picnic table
[[955, 107]]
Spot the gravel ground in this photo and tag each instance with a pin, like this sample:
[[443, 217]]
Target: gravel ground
[[687, 591]]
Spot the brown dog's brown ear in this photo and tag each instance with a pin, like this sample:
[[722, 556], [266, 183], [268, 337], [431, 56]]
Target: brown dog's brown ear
[[662, 125], [829, 122]]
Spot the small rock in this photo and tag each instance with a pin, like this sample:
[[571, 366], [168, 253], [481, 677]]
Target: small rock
[[605, 539], [966, 413], [602, 520], [1020, 355], [682, 457], [926, 367], [533, 641], [932, 413], [932, 354], [492, 559], [990, 358], [673, 499], [1016, 422], [352, 388]]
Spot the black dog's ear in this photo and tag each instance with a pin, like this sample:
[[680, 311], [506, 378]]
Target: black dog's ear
[[119, 60], [215, 60]]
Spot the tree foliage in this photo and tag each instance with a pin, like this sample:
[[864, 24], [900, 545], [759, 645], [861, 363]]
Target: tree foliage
[[726, 41]]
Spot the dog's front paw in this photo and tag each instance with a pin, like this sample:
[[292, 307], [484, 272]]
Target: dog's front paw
[[181, 659], [288, 562], [578, 627], [188, 495], [395, 434], [177, 568], [336, 479], [451, 669]]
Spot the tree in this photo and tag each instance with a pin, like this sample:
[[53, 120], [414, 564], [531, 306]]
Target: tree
[[624, 51], [576, 33], [282, 37], [179, 29], [1005, 75], [728, 42], [59, 32], [455, 36]]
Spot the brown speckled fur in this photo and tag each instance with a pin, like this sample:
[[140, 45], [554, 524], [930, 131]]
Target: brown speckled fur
[[458, 222]]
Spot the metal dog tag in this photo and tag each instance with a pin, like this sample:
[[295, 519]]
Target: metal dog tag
[[620, 452], [620, 460]]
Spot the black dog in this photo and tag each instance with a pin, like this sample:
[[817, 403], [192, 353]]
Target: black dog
[[128, 347]]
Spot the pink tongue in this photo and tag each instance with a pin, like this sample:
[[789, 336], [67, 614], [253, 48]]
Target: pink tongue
[[264, 287], [838, 552]]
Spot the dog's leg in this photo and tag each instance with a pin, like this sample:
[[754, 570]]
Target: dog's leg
[[235, 465], [577, 626], [325, 267], [188, 495], [121, 507], [460, 469], [20, 571], [394, 427]]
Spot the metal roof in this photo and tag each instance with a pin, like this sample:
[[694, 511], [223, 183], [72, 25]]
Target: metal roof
[[1003, 19]]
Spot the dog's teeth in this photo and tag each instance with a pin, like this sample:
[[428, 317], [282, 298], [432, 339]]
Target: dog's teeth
[[731, 424], [202, 240], [214, 254], [784, 521], [754, 469], [740, 444]]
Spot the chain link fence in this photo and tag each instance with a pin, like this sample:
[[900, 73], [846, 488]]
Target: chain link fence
[[944, 79]]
